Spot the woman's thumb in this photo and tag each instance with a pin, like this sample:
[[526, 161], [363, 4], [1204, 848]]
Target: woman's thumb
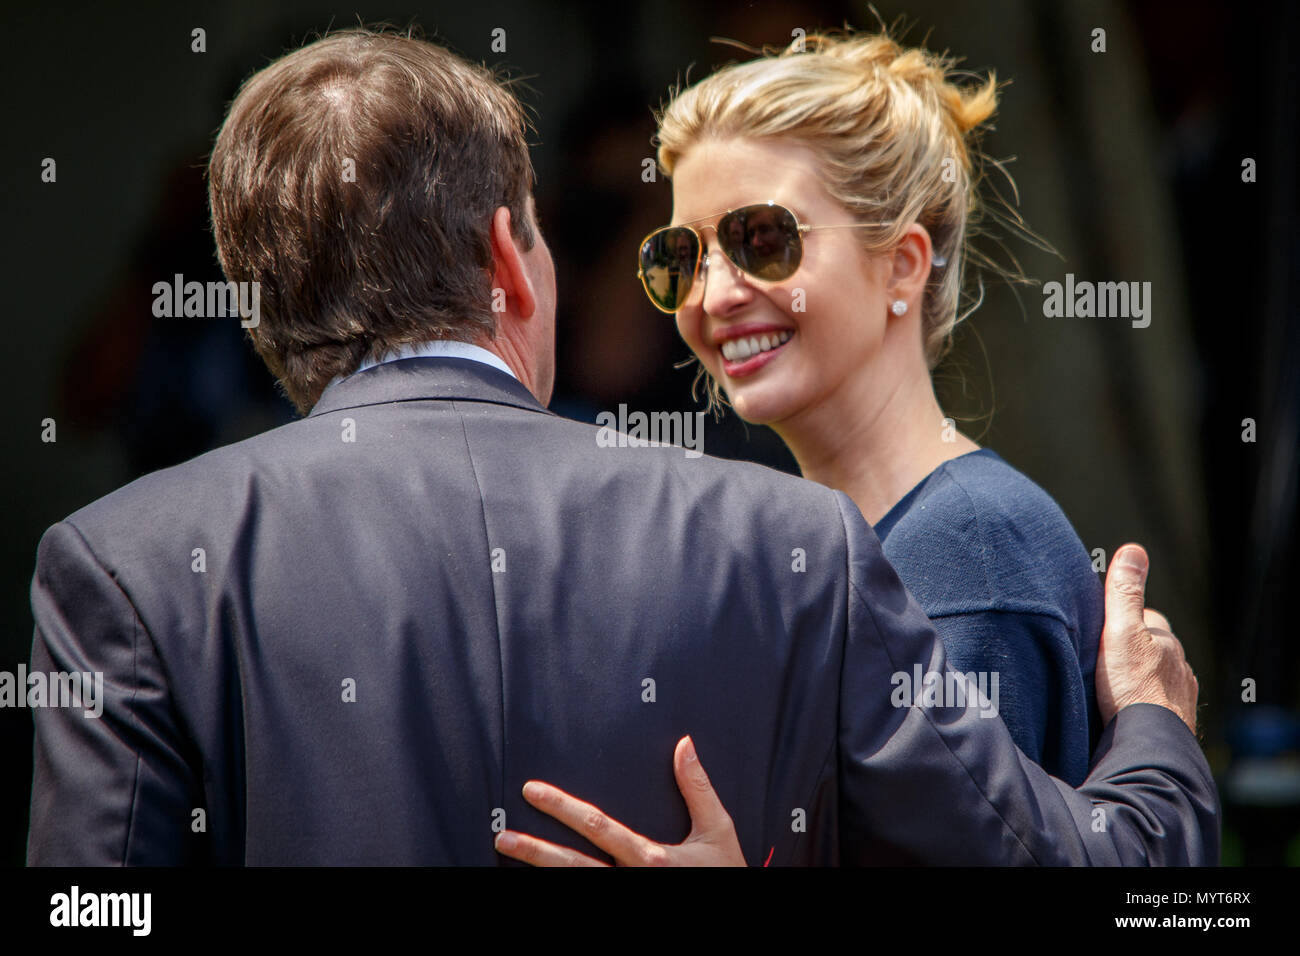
[[707, 812]]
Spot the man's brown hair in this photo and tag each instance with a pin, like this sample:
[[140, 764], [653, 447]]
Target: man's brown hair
[[355, 180]]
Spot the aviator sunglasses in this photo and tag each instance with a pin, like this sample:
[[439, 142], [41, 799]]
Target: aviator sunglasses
[[764, 241]]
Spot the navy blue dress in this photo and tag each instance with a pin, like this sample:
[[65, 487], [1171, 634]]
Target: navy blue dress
[[996, 565]]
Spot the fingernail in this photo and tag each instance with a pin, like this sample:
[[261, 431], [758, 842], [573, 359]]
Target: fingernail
[[690, 750], [506, 840], [531, 790], [1134, 559]]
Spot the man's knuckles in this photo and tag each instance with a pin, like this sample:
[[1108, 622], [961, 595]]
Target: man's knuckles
[[1127, 584]]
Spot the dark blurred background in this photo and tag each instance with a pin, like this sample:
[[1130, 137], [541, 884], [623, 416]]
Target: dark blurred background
[[1130, 162]]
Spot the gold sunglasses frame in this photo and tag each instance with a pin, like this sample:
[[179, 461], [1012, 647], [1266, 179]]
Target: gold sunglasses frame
[[702, 256]]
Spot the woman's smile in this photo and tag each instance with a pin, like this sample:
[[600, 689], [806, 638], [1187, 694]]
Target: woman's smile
[[748, 347]]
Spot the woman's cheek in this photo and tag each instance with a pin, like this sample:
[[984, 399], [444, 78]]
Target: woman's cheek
[[689, 327]]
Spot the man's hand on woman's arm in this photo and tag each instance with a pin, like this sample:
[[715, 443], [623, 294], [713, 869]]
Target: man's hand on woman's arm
[[1140, 661]]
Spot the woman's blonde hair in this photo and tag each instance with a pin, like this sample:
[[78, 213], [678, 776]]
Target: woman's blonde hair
[[894, 135]]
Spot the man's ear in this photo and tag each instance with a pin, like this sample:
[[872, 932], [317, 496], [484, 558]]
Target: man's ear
[[509, 272]]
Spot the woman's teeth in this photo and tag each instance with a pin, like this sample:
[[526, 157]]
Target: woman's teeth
[[736, 350]]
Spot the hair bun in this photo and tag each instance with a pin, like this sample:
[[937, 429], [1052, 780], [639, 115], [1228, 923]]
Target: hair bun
[[969, 107], [927, 73]]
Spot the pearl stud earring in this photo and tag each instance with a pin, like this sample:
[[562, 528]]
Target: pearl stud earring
[[899, 307]]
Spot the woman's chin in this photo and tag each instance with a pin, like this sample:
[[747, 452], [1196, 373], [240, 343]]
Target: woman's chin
[[757, 408]]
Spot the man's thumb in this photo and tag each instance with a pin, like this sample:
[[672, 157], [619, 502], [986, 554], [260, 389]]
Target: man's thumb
[[1126, 582], [707, 811]]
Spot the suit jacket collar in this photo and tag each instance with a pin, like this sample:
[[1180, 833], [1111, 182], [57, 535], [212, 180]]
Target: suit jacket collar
[[414, 379]]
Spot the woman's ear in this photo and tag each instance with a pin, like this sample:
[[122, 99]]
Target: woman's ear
[[910, 265], [509, 273]]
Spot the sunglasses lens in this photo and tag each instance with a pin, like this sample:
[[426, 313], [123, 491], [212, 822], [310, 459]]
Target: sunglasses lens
[[668, 261], [762, 240]]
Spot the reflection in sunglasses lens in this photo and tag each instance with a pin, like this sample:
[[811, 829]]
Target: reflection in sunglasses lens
[[763, 240], [668, 260]]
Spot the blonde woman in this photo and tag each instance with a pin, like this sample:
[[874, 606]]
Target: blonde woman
[[814, 263]]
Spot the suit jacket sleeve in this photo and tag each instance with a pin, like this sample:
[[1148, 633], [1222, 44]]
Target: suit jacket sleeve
[[115, 789], [947, 785]]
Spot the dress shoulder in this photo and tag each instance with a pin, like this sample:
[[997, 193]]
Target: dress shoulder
[[978, 535]]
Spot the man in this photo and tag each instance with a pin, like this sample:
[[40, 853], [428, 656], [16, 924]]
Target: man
[[350, 640]]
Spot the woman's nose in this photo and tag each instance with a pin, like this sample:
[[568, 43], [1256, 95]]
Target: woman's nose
[[725, 288]]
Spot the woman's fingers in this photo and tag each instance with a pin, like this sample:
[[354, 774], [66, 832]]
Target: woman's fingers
[[593, 824], [528, 849], [712, 841]]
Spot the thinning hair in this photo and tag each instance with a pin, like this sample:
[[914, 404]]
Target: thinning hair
[[355, 180]]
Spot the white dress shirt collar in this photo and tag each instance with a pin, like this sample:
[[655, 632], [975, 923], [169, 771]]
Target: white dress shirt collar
[[441, 348]]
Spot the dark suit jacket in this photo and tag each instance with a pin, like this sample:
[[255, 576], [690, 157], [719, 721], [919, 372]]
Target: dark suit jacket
[[389, 635]]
